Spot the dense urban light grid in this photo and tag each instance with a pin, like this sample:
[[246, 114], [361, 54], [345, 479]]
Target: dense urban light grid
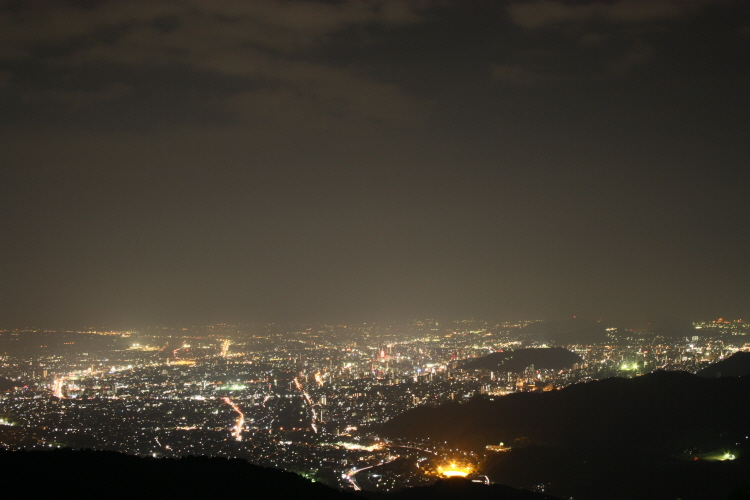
[[310, 398]]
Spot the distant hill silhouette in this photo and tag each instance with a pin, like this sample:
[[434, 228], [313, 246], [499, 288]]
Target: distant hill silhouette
[[107, 474], [663, 325], [566, 332], [615, 438], [736, 365], [585, 331], [553, 358]]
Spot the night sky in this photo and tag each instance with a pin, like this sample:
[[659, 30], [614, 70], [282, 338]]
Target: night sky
[[223, 161]]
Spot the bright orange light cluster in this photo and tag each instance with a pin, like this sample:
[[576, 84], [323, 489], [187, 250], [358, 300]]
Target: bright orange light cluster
[[454, 471]]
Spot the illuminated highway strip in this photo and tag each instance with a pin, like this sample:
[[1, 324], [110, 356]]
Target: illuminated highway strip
[[350, 475], [225, 348], [174, 353], [58, 385], [309, 402], [237, 432]]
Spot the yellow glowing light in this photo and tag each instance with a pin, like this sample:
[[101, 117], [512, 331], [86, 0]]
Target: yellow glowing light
[[57, 388], [355, 446], [455, 473], [225, 347]]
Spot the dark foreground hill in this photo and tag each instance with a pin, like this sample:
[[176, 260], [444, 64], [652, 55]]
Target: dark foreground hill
[[649, 437], [553, 358], [106, 474], [736, 365]]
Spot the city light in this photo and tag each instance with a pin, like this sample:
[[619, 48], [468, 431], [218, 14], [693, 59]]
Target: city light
[[237, 429], [453, 470], [313, 398]]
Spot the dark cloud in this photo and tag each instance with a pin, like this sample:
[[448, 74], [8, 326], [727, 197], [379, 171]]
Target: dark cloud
[[213, 160], [604, 38], [269, 45], [515, 74], [544, 13]]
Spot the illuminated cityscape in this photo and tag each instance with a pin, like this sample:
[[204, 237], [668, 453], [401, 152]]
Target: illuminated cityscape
[[306, 398], [381, 249]]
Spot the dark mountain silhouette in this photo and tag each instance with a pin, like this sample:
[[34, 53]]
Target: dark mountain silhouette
[[664, 325], [662, 405], [634, 435], [553, 358], [107, 474], [736, 365]]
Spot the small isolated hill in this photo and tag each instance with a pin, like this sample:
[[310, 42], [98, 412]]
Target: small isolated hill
[[736, 365], [552, 358]]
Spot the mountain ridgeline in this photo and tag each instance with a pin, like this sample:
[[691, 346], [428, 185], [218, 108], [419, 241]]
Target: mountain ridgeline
[[737, 365], [616, 438]]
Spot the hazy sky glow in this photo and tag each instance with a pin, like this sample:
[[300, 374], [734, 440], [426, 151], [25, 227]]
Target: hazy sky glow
[[195, 161]]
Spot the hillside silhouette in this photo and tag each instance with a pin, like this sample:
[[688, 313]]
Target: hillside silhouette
[[736, 365], [108, 474], [614, 438]]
